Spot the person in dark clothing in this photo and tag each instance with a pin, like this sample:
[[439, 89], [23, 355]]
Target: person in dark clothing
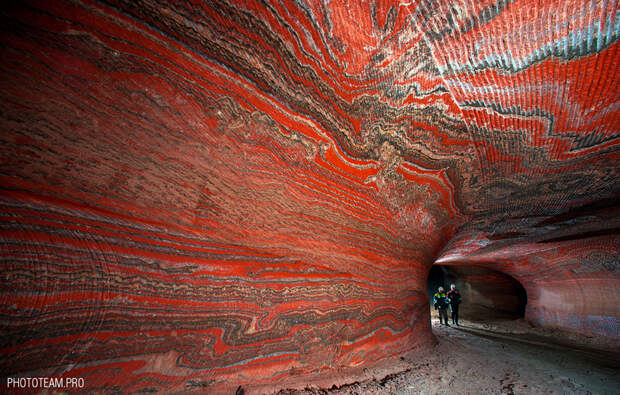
[[441, 302], [455, 299]]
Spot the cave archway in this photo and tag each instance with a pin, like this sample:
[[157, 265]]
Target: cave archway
[[487, 294]]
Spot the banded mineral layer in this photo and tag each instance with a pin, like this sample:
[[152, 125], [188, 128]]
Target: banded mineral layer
[[202, 195]]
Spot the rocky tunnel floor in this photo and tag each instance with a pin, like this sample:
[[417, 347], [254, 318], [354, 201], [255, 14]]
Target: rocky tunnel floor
[[495, 357]]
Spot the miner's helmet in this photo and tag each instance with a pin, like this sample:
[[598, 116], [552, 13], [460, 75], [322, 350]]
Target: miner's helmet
[[440, 289]]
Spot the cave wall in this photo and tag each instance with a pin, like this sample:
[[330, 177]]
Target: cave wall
[[202, 195], [570, 274]]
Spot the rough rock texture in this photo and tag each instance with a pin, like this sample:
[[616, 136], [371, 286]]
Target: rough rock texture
[[207, 194], [494, 357]]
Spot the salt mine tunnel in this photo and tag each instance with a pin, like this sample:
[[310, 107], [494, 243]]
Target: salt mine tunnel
[[213, 195]]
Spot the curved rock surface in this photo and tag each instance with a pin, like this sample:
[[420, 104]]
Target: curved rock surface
[[205, 195]]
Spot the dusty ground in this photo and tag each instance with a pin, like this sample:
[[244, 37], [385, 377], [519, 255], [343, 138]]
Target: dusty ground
[[495, 357]]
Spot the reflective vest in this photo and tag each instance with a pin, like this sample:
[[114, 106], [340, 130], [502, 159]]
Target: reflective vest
[[440, 300]]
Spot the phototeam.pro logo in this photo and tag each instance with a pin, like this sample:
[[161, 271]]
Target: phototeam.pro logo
[[45, 382]]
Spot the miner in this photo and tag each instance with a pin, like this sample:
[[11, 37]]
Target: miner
[[441, 302], [455, 300]]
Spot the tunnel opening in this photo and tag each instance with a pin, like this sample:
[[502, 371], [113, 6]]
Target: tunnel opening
[[486, 294]]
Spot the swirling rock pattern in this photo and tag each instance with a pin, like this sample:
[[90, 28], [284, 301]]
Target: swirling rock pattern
[[205, 194]]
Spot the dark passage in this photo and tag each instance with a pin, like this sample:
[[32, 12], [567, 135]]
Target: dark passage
[[487, 294]]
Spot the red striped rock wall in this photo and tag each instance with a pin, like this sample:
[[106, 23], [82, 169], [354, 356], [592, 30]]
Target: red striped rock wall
[[569, 270], [204, 195]]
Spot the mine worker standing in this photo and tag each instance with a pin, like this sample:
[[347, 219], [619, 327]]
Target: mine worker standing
[[441, 302], [455, 299]]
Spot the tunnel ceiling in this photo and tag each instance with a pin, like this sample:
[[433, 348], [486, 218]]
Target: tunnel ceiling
[[205, 194]]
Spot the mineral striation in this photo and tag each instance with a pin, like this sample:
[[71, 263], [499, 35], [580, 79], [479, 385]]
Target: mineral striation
[[203, 195]]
